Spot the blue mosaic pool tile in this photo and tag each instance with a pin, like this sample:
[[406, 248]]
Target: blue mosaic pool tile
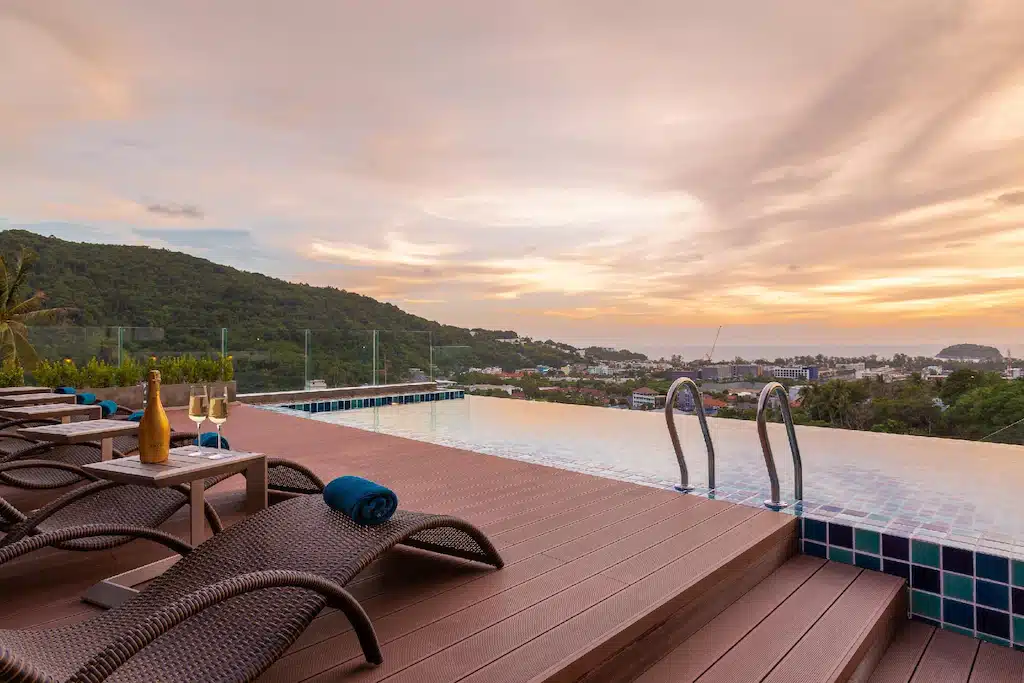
[[815, 530], [867, 541], [815, 549], [840, 535], [925, 553], [992, 639], [896, 568], [1018, 630], [956, 629], [1017, 604], [1018, 573], [958, 560], [926, 579], [840, 554], [957, 586], [929, 606], [896, 547], [992, 567], [991, 594], [958, 613], [872, 562], [993, 623]]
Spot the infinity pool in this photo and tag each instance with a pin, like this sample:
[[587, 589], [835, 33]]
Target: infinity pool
[[959, 491]]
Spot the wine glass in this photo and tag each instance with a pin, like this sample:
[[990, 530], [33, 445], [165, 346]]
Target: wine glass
[[198, 406], [219, 412]]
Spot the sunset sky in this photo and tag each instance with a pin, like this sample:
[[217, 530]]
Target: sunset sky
[[594, 169]]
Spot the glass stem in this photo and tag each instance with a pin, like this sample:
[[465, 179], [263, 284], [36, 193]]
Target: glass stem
[[218, 438]]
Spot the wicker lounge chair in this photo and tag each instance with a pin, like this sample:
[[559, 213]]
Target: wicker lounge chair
[[101, 506], [231, 607], [50, 477]]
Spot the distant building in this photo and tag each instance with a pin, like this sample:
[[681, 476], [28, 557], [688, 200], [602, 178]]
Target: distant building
[[886, 374], [514, 340], [716, 373], [509, 389], [746, 370], [807, 372], [673, 375], [713, 405], [646, 399], [494, 370], [602, 370]]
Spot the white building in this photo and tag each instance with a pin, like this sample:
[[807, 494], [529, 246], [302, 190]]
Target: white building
[[603, 370], [509, 389], [807, 372], [645, 398]]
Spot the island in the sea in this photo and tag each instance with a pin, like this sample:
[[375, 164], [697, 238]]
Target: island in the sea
[[969, 352]]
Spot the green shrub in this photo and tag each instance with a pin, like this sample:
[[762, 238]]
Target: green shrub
[[12, 374], [99, 374]]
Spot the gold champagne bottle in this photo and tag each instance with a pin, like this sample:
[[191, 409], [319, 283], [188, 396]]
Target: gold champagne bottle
[[154, 429]]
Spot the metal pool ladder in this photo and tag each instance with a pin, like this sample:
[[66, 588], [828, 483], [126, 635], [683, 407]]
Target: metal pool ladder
[[766, 447], [698, 400]]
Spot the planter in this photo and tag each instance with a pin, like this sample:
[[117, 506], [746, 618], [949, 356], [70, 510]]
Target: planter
[[171, 395]]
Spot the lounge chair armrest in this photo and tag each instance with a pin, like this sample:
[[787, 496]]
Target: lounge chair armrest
[[49, 464], [291, 464], [32, 543], [36, 517], [104, 663]]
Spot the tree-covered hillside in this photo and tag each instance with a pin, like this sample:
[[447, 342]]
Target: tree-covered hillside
[[191, 298], [970, 351]]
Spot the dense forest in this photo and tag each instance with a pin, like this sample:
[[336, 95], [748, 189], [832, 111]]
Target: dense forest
[[278, 332]]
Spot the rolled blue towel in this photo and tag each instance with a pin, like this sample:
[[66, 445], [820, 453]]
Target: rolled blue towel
[[364, 501], [64, 390], [209, 440], [136, 416], [108, 408], [85, 399]]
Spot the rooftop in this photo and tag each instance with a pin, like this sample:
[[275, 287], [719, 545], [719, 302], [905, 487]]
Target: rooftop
[[604, 578]]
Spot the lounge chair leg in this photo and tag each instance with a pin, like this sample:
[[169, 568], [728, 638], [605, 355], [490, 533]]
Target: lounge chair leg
[[360, 624], [111, 592]]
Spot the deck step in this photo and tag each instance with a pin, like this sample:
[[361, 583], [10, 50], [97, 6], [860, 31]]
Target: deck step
[[809, 621], [922, 654]]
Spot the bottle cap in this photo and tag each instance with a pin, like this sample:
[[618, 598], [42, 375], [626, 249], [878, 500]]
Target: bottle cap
[[154, 375]]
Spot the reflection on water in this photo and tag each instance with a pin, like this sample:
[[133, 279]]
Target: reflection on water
[[966, 489]]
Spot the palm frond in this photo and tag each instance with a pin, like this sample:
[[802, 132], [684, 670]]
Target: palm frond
[[21, 269], [44, 316], [24, 353], [33, 303], [8, 351], [4, 284]]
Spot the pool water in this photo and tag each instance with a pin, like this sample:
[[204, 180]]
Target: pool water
[[963, 492]]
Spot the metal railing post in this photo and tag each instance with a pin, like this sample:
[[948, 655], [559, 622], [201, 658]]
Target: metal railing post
[[223, 342], [775, 502], [698, 398], [305, 369]]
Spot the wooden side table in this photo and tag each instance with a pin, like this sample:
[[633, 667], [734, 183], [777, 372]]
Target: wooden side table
[[185, 465], [35, 399], [65, 411], [103, 431], [10, 391]]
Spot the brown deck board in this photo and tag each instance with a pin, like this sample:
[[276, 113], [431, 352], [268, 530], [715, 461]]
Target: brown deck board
[[694, 656], [900, 661], [996, 664], [761, 649], [834, 646], [948, 658]]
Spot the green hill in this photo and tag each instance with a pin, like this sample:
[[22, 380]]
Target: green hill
[[189, 299], [958, 351]]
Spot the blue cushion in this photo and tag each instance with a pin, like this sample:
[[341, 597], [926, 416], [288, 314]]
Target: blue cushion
[[364, 501], [108, 408], [136, 416], [209, 440], [64, 390], [85, 399]]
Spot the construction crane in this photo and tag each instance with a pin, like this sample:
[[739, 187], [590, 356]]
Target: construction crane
[[713, 345]]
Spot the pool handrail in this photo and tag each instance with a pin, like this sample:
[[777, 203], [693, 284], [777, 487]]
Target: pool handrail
[[698, 400], [775, 502]]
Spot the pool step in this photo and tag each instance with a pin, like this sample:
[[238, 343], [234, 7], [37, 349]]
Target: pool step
[[810, 621], [922, 654]]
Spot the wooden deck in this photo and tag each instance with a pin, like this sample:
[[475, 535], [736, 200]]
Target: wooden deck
[[591, 563], [604, 581]]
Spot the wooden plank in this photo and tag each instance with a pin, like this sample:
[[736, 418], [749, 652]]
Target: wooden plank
[[80, 432], [414, 635], [570, 649], [948, 658], [14, 391], [693, 657], [35, 399], [900, 661], [761, 649], [995, 664], [179, 468], [836, 644], [51, 410]]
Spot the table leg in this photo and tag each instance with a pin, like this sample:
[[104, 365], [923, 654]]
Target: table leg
[[112, 592], [107, 448], [256, 486], [65, 419], [197, 513]]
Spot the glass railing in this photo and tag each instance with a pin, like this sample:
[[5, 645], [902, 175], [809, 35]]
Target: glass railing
[[265, 359]]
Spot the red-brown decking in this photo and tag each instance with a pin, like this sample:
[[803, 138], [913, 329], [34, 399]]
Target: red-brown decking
[[605, 581], [591, 563]]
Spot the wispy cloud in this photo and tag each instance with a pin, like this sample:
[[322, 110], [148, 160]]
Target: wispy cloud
[[548, 164]]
